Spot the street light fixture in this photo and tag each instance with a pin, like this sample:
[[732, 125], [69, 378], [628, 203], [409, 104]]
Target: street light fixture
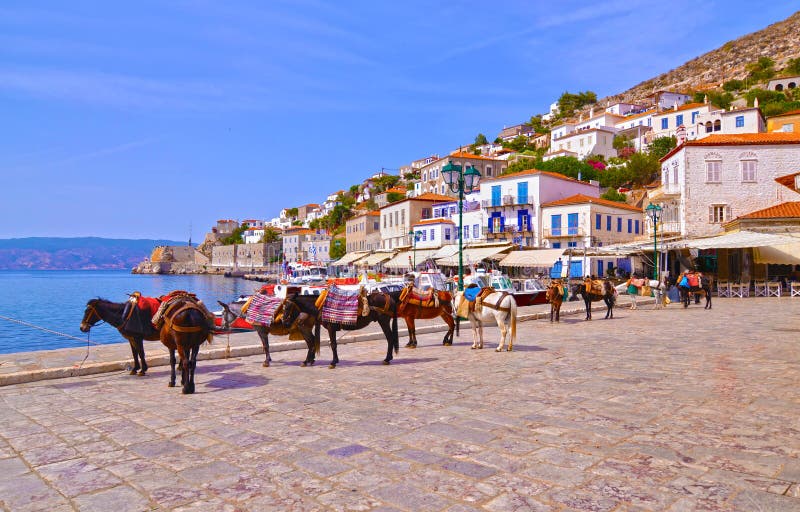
[[462, 181], [654, 211]]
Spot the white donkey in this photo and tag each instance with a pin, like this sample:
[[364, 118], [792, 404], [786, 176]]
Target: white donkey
[[659, 289], [500, 306]]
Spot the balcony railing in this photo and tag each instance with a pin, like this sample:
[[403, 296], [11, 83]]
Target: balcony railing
[[512, 228], [564, 232], [507, 200]]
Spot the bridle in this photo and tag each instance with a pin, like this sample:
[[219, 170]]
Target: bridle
[[86, 320]]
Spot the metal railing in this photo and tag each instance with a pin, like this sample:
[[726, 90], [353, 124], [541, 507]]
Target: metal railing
[[564, 232]]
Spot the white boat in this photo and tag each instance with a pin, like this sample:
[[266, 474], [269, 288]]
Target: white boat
[[533, 292]]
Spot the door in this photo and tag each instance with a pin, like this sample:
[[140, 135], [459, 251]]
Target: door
[[576, 269], [572, 224]]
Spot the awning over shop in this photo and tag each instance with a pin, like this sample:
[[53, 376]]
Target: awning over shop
[[349, 258], [738, 240], [538, 258], [375, 258], [784, 254], [404, 259], [474, 255]]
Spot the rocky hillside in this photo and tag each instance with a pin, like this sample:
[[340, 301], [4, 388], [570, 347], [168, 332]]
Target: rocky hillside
[[779, 41], [75, 253]]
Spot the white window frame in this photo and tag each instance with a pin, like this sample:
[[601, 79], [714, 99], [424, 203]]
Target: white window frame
[[719, 213], [752, 173]]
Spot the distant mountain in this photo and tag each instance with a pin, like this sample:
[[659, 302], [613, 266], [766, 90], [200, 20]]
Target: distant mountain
[[90, 253]]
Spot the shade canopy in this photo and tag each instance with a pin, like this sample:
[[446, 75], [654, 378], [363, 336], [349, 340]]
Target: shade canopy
[[784, 254], [537, 258], [350, 257], [737, 240], [375, 258], [474, 255]]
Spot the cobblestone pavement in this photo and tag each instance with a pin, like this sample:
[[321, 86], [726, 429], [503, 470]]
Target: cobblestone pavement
[[654, 410]]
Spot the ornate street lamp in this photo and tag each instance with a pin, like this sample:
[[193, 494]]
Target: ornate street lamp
[[462, 181], [654, 212]]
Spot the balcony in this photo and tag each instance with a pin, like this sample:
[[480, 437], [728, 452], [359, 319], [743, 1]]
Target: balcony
[[567, 232], [511, 229], [508, 200]]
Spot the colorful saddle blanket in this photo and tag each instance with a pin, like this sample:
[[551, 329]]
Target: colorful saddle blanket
[[427, 299], [343, 306], [260, 309]]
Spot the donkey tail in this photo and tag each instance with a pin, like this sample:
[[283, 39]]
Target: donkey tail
[[513, 320], [316, 338], [395, 335]]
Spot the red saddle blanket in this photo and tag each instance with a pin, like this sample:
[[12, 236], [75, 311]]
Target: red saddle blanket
[[425, 299], [148, 304], [693, 280]]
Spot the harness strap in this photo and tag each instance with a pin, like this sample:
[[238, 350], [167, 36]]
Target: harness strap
[[170, 314], [496, 306]]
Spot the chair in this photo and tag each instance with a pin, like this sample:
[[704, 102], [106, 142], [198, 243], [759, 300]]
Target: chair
[[774, 289], [794, 289], [723, 289], [760, 288], [745, 289], [737, 290]]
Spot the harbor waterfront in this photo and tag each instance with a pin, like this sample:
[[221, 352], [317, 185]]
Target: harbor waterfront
[[675, 409], [56, 300]]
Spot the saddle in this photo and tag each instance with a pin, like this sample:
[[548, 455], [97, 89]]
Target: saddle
[[178, 301], [430, 298], [138, 312], [342, 306], [594, 287], [260, 309]]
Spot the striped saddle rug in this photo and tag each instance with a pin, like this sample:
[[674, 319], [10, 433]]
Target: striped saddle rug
[[261, 309], [343, 306]]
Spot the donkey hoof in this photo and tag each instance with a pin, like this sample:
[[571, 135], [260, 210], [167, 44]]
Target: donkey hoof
[[303, 364], [265, 364], [386, 362], [133, 372], [509, 349], [141, 373], [498, 349], [171, 385], [473, 347], [331, 366]]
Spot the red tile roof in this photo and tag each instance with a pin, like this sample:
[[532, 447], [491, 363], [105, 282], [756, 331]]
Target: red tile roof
[[740, 139], [790, 113], [433, 221], [687, 106], [790, 209], [428, 196], [464, 154], [397, 190], [533, 172], [581, 198], [788, 181]]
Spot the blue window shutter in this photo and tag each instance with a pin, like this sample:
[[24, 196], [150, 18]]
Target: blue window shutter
[[489, 225], [608, 222], [665, 123], [679, 120], [599, 268], [598, 221], [556, 245], [522, 192], [637, 227], [739, 121], [502, 223], [694, 117], [495, 195], [630, 225], [619, 224]]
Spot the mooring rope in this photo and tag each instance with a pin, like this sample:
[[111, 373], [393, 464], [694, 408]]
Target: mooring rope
[[34, 326]]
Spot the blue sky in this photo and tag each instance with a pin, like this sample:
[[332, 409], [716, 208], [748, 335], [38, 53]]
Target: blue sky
[[139, 119]]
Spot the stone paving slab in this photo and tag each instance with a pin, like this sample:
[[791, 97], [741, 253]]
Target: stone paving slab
[[677, 410]]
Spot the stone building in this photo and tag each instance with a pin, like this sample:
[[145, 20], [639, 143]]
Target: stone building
[[363, 232], [245, 256]]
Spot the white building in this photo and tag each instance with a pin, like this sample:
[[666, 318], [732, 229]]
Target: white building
[[585, 142], [668, 122], [744, 120], [433, 233], [667, 99], [709, 181], [623, 109], [551, 113], [785, 83], [561, 130], [512, 203]]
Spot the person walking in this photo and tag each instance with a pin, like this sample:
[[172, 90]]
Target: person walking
[[633, 291]]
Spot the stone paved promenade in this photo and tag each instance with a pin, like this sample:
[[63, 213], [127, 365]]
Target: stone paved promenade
[[654, 410]]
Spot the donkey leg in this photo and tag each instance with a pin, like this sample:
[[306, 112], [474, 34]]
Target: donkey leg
[[480, 333], [387, 331], [412, 333], [135, 355], [192, 365], [140, 348], [332, 336], [451, 325], [172, 368], [474, 326], [263, 334], [502, 326]]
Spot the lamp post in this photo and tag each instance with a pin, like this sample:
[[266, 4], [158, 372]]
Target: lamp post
[[415, 236], [654, 211], [461, 180]]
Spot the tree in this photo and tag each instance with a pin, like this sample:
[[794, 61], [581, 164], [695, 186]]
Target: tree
[[386, 182], [523, 164], [643, 168], [661, 146], [236, 236], [337, 249], [292, 212], [761, 70], [764, 97], [620, 142], [480, 140], [570, 166], [538, 125], [733, 85], [270, 235], [612, 195], [792, 67], [568, 103], [393, 197]]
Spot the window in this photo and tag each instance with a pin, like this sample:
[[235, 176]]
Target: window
[[572, 244], [556, 245], [608, 222], [749, 170], [619, 224], [713, 171], [476, 231], [739, 121], [679, 120], [630, 225], [433, 236], [384, 220], [466, 232], [788, 127], [424, 235], [522, 192], [495, 195], [694, 117], [555, 225], [598, 221], [572, 224], [665, 123], [719, 213], [488, 171], [636, 227], [447, 233], [402, 217]]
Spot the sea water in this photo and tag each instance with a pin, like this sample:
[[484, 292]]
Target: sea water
[[56, 300]]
